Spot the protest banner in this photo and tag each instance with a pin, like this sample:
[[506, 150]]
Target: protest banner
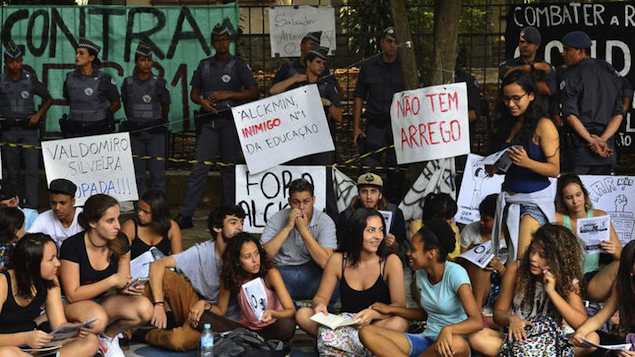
[[263, 195], [592, 231], [430, 123], [289, 24], [436, 176], [282, 127], [96, 164], [178, 35], [609, 24], [345, 189], [475, 186]]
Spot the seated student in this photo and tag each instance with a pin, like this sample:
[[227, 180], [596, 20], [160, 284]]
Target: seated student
[[620, 300], [573, 202], [369, 187], [60, 222], [439, 205], [95, 275], [445, 298], [191, 293], [9, 198], [152, 226], [244, 260], [29, 286], [476, 233], [300, 239], [11, 230], [366, 274], [540, 290]]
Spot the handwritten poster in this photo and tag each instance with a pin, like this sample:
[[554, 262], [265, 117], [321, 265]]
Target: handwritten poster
[[282, 127], [289, 24], [430, 123], [96, 164]]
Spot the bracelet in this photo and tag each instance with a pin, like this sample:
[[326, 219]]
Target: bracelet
[[158, 303]]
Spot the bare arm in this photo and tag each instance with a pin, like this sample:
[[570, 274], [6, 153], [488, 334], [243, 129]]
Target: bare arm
[[612, 127], [394, 275], [329, 280], [285, 84], [572, 309], [176, 238], [273, 246], [319, 254], [473, 322], [75, 292], [579, 128], [55, 307], [275, 281], [503, 305], [220, 308], [595, 322]]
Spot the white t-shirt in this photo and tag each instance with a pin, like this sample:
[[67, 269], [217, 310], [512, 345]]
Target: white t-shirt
[[47, 223], [471, 235]]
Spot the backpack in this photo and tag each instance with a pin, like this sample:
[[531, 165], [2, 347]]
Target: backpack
[[544, 338], [245, 343]]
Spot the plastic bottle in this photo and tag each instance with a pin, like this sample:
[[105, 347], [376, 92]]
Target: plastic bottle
[[206, 348]]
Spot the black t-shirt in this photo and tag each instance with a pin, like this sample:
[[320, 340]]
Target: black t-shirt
[[74, 250]]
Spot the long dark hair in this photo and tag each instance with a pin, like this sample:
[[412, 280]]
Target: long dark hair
[[564, 181], [352, 246], [625, 286], [11, 220], [233, 275], [158, 203], [535, 110], [94, 208], [26, 263], [437, 234]]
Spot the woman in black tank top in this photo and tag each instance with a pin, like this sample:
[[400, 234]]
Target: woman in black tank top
[[28, 287], [366, 275], [152, 227]]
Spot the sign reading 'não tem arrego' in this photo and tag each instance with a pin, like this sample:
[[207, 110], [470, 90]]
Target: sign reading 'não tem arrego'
[[282, 127], [96, 164], [430, 123]]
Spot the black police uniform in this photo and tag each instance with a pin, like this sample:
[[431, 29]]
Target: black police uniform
[[89, 98], [17, 105], [217, 132], [143, 101], [377, 82]]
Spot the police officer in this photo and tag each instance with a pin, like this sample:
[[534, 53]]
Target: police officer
[[91, 94], [592, 105], [378, 79], [309, 42], [146, 102], [219, 83], [20, 122]]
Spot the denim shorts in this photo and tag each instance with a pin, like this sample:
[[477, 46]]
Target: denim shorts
[[534, 212], [418, 344]]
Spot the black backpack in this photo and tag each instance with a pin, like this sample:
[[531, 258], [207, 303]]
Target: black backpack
[[245, 343]]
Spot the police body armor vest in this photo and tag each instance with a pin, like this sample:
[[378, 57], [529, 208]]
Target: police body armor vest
[[16, 97], [222, 80], [86, 105], [142, 100]]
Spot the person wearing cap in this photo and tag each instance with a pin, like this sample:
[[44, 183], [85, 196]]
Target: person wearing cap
[[9, 198], [311, 41], [219, 83], [592, 106], [146, 101], [20, 122], [92, 95], [369, 195], [378, 80], [59, 222]]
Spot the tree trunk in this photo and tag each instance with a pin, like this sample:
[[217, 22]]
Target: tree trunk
[[446, 30], [406, 54]]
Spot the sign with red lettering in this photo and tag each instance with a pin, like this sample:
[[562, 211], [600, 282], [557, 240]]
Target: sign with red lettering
[[282, 127], [430, 123]]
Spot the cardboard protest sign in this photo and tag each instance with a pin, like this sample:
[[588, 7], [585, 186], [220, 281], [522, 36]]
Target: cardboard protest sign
[[475, 186], [289, 24], [345, 189], [96, 164], [436, 176], [263, 195], [430, 123], [282, 127]]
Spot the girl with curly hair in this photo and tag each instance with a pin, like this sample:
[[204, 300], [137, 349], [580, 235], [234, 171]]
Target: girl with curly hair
[[244, 260], [573, 202], [542, 288], [621, 300]]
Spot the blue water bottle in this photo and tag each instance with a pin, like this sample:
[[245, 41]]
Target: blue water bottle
[[207, 342]]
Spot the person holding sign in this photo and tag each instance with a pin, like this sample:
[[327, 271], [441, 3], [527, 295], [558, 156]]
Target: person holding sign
[[573, 203], [366, 274], [95, 275], [219, 83], [540, 293], [20, 122], [445, 300], [248, 276], [309, 42], [30, 285], [300, 239], [147, 103], [92, 95], [531, 141], [378, 80]]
